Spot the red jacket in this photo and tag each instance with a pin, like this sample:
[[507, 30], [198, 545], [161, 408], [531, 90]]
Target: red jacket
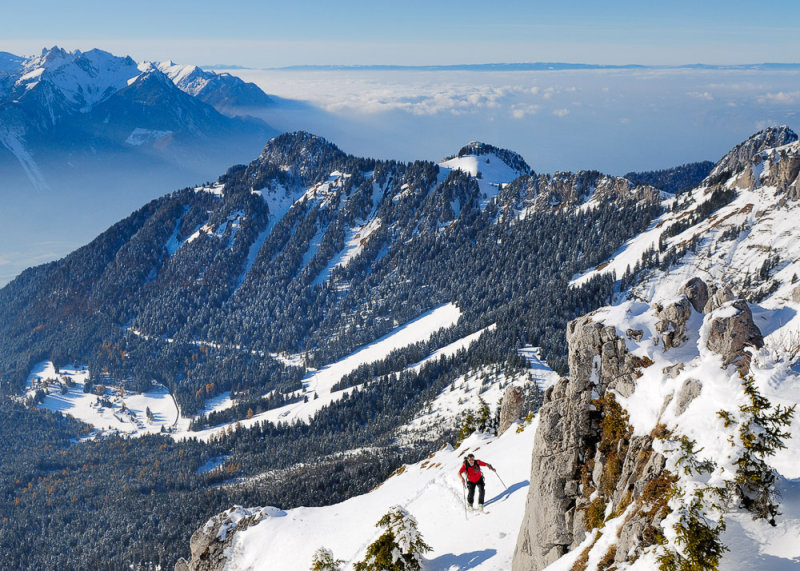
[[474, 471]]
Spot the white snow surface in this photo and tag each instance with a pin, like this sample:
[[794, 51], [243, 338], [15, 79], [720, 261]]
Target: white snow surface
[[494, 172], [319, 382], [131, 420], [140, 136], [431, 491]]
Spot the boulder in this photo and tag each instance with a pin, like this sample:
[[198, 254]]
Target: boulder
[[689, 391], [672, 318], [730, 331], [796, 294], [513, 401], [696, 291], [210, 543], [718, 297]]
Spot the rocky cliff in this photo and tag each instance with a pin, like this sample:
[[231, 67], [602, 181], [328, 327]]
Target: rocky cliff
[[592, 470]]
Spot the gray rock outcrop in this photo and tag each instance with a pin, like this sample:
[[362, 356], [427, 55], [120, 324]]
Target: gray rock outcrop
[[718, 296], [689, 391], [672, 318], [696, 291], [513, 402], [731, 331], [741, 155], [208, 544], [569, 458]]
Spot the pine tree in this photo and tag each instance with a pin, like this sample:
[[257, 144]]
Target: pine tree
[[762, 432], [324, 561], [399, 548], [483, 416]]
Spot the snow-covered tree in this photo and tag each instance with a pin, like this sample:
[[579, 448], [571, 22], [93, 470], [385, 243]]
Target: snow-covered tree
[[324, 561], [399, 548]]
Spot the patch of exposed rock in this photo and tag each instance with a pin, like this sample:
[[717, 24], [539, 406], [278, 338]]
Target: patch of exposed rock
[[742, 155], [717, 296], [209, 545], [511, 410], [730, 331], [696, 291], [672, 318], [585, 459], [570, 459]]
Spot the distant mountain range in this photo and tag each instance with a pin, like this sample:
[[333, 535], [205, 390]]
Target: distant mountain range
[[533, 66], [64, 114]]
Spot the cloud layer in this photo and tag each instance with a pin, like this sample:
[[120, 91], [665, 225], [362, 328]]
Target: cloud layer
[[611, 120]]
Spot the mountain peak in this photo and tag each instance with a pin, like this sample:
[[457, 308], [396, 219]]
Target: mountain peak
[[741, 155], [510, 158], [300, 153]]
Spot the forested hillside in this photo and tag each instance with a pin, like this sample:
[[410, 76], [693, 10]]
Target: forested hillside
[[305, 251]]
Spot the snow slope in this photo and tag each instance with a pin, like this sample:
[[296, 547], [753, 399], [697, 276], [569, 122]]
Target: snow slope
[[108, 409], [488, 168], [318, 383], [431, 491]]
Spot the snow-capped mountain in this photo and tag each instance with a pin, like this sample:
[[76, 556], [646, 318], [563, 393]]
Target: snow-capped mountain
[[225, 92], [69, 112]]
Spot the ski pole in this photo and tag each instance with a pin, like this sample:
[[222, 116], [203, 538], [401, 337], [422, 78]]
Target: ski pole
[[464, 487], [501, 479]]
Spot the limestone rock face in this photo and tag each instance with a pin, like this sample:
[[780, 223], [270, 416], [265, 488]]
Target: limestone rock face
[[696, 291], [513, 401], [717, 297], [689, 391], [785, 175], [731, 330], [209, 543], [565, 447], [579, 470], [742, 154], [672, 320]]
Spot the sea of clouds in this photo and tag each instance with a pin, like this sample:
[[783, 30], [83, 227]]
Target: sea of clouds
[[614, 121]]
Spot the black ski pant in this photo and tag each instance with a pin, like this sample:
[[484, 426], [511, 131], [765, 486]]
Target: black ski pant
[[471, 491]]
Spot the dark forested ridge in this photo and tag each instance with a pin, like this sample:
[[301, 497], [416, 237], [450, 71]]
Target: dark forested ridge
[[674, 180], [199, 288]]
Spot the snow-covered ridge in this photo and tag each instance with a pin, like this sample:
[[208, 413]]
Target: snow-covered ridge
[[491, 167], [735, 241], [429, 490]]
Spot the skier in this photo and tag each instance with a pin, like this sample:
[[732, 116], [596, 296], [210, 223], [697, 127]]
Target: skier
[[474, 478]]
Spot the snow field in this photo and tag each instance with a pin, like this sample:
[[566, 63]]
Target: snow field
[[104, 418], [494, 173], [318, 383], [431, 491]]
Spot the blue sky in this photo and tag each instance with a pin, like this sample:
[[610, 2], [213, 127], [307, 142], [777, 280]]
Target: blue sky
[[266, 33]]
